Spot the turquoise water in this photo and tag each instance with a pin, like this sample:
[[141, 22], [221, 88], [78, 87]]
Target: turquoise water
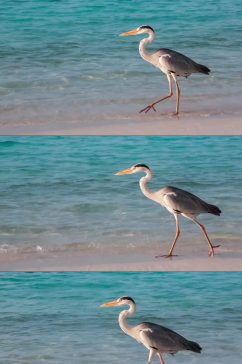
[[60, 193], [63, 60], [56, 318]]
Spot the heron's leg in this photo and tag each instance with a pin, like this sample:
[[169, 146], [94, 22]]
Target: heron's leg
[[161, 359], [211, 247], [151, 355], [176, 237], [151, 106], [178, 92], [175, 240]]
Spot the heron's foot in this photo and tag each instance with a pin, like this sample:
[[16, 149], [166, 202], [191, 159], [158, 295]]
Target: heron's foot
[[166, 256], [176, 114], [211, 252], [147, 108]]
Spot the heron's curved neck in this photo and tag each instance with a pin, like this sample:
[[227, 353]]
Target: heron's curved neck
[[122, 318], [143, 184], [142, 46]]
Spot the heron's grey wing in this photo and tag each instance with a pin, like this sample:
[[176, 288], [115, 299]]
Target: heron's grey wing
[[176, 63], [183, 202], [162, 339]]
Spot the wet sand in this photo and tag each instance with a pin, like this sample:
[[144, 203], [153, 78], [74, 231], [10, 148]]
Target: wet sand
[[188, 123], [226, 259]]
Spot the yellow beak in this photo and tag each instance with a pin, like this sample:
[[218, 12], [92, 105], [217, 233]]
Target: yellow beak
[[125, 171], [131, 32], [109, 304]]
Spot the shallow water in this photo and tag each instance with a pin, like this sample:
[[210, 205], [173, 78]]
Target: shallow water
[[62, 61], [60, 193], [56, 318]]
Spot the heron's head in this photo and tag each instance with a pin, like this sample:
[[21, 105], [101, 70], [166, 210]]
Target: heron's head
[[119, 302], [134, 169], [140, 30]]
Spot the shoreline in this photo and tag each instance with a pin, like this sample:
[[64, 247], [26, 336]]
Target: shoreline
[[225, 260], [149, 124]]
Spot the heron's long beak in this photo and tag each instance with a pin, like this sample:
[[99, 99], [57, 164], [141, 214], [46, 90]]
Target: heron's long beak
[[125, 171], [109, 304], [131, 32]]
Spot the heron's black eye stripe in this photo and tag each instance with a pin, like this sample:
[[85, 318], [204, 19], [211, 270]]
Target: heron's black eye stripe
[[141, 165], [153, 347], [127, 298], [146, 26]]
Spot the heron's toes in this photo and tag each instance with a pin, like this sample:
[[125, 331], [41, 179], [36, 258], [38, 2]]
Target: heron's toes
[[166, 256], [211, 252], [147, 108]]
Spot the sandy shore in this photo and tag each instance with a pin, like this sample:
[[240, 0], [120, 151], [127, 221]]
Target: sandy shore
[[149, 124], [226, 259]]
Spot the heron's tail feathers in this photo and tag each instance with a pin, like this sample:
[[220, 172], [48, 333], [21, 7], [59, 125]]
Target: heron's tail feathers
[[202, 69], [193, 346], [212, 209]]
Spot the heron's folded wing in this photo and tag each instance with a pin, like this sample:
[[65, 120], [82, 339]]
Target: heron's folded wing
[[181, 201], [162, 339], [175, 62]]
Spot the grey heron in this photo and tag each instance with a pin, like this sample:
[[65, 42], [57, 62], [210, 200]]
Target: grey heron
[[176, 201], [156, 338], [173, 64]]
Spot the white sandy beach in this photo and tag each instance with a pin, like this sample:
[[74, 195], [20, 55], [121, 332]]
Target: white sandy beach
[[189, 123], [227, 258]]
